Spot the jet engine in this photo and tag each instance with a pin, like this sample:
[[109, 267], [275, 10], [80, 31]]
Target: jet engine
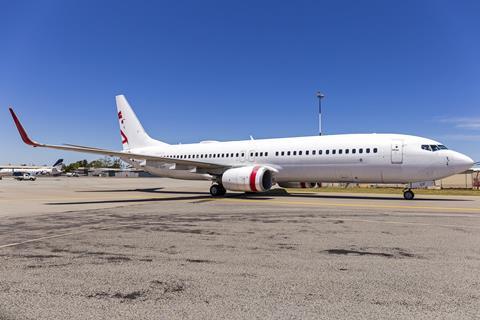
[[250, 179], [301, 185]]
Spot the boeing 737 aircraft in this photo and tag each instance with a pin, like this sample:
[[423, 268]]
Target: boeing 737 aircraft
[[256, 165], [54, 170]]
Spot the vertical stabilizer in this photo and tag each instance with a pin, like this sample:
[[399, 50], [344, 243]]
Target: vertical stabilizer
[[58, 164], [131, 130]]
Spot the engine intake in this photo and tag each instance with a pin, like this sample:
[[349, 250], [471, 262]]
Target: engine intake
[[250, 179]]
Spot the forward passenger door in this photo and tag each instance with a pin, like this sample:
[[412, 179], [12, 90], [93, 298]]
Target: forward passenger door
[[397, 151]]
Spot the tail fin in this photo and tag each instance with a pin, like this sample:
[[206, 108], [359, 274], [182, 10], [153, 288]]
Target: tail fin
[[58, 164], [131, 130]]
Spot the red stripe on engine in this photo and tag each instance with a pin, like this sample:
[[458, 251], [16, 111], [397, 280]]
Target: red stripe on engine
[[253, 177]]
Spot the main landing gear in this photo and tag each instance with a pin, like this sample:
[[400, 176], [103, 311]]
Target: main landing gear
[[217, 190], [408, 194]]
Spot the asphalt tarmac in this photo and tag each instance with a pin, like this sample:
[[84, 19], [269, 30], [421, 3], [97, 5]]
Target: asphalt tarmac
[[111, 248]]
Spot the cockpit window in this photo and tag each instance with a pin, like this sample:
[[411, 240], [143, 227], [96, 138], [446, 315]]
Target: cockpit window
[[433, 147]]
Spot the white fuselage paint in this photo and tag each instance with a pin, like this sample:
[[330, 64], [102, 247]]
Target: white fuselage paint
[[40, 171], [398, 158]]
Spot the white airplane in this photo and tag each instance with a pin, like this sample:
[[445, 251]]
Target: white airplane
[[256, 165], [54, 170]]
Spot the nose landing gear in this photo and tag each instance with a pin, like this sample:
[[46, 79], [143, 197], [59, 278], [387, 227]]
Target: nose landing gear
[[217, 190], [408, 194]]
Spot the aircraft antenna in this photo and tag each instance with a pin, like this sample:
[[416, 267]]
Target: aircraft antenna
[[320, 96]]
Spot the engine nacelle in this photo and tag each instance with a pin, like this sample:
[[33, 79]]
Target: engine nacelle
[[301, 185], [250, 179]]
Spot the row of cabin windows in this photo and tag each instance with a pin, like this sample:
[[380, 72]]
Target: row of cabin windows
[[218, 155], [278, 153], [211, 155], [320, 152]]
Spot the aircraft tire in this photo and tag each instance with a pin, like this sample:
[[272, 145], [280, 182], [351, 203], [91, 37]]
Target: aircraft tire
[[408, 195], [217, 190]]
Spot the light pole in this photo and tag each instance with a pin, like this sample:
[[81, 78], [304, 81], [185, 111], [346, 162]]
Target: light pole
[[320, 96]]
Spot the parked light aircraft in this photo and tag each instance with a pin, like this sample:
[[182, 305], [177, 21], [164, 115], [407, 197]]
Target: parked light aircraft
[[256, 165], [54, 170]]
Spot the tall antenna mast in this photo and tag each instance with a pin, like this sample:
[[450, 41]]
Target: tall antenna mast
[[320, 96]]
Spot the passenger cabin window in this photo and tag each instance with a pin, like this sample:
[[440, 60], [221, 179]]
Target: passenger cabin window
[[360, 150], [354, 150], [375, 150], [327, 151], [299, 153], [288, 153], [276, 153], [367, 150], [334, 151], [347, 151], [283, 153], [313, 152], [266, 154], [294, 153], [306, 152], [340, 151]]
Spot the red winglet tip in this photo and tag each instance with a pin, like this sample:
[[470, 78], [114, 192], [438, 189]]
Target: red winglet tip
[[21, 130]]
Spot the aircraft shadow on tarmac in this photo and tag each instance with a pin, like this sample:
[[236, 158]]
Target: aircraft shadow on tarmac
[[143, 200], [147, 190], [189, 195], [357, 197]]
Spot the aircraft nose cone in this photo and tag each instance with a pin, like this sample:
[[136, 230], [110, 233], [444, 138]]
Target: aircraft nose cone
[[462, 162]]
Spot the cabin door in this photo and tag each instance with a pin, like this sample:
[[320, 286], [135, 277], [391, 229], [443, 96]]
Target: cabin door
[[397, 151]]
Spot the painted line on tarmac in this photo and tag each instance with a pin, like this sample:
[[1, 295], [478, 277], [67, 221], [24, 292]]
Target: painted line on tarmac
[[65, 235], [366, 220], [410, 223], [356, 205]]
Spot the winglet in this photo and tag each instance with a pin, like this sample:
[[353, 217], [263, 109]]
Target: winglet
[[22, 131]]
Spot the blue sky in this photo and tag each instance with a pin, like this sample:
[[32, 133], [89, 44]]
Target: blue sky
[[198, 70]]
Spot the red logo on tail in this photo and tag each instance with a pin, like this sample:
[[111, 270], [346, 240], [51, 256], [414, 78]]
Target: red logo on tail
[[124, 137], [120, 116]]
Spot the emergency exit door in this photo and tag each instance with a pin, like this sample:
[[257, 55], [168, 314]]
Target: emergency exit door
[[397, 151]]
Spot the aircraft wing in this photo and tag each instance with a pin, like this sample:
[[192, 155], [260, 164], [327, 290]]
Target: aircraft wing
[[121, 154]]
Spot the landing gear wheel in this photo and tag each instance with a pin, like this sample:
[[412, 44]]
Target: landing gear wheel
[[217, 190], [408, 194]]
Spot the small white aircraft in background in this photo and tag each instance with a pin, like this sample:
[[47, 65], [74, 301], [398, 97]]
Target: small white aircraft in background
[[54, 170], [256, 165]]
